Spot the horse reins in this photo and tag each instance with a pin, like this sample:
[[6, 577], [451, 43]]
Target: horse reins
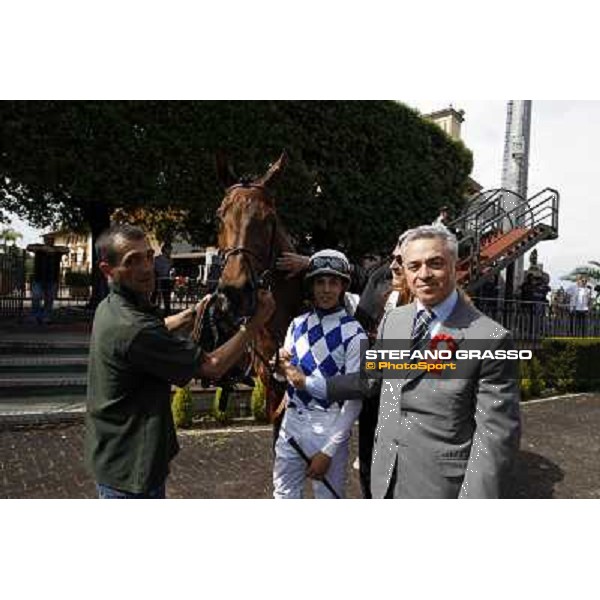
[[263, 281]]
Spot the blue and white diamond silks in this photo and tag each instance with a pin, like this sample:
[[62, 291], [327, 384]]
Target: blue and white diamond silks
[[320, 341]]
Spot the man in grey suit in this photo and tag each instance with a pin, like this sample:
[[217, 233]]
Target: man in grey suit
[[437, 437]]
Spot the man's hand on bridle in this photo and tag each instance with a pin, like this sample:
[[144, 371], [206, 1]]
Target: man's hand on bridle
[[187, 318], [293, 263]]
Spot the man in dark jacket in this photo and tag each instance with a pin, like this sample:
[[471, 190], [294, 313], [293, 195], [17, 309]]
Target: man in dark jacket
[[135, 358]]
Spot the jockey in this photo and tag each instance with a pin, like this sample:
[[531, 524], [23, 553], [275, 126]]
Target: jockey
[[326, 340]]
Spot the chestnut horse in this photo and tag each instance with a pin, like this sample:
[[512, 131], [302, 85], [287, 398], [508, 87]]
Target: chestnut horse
[[251, 238]]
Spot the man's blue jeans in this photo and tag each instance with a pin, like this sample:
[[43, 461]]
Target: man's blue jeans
[[45, 292], [105, 492]]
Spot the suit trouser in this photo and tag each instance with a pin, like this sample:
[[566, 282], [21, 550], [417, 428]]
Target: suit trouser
[[367, 424], [311, 429]]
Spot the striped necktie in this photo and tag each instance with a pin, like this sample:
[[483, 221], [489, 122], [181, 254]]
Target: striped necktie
[[421, 325]]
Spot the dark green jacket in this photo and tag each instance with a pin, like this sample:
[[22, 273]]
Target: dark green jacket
[[130, 435]]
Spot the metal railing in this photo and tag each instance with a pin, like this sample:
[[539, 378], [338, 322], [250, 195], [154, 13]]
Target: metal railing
[[485, 216], [531, 322], [12, 281]]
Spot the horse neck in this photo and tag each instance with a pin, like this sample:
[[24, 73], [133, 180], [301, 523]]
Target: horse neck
[[286, 292]]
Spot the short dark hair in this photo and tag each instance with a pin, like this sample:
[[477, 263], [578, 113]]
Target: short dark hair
[[105, 244]]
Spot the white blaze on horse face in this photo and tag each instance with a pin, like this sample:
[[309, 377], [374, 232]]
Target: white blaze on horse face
[[233, 235], [248, 231], [247, 238]]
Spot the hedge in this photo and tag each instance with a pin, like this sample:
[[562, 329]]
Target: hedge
[[572, 364], [562, 365]]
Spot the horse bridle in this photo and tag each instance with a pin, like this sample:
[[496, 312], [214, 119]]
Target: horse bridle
[[263, 281]]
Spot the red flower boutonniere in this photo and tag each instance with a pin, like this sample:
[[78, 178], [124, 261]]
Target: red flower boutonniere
[[448, 340], [448, 343]]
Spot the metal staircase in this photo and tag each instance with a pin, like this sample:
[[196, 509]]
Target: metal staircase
[[491, 238]]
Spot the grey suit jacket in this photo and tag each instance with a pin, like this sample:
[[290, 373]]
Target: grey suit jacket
[[452, 437]]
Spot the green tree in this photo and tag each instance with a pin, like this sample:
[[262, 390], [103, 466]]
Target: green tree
[[359, 172], [72, 163], [591, 272], [8, 234]]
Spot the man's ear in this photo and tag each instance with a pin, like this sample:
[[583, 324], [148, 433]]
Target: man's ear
[[107, 270]]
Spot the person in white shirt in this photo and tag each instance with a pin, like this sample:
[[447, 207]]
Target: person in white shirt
[[579, 305], [325, 340]]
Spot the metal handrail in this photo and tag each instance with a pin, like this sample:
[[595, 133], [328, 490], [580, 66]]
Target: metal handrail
[[476, 221]]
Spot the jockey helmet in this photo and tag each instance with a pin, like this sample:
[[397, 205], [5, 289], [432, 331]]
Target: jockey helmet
[[328, 262]]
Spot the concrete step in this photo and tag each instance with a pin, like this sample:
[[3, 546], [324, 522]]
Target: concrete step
[[27, 404], [23, 405], [32, 410], [35, 363], [17, 346], [35, 384], [40, 384]]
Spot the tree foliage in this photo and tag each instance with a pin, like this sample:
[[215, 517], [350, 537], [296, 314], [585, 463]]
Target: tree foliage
[[8, 234], [592, 273], [359, 172]]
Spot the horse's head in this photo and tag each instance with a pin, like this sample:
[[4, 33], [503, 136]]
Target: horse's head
[[248, 238]]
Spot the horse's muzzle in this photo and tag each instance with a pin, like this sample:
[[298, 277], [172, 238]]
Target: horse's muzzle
[[238, 302]]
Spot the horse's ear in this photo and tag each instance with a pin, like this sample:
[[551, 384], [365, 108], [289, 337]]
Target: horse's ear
[[274, 170], [224, 171]]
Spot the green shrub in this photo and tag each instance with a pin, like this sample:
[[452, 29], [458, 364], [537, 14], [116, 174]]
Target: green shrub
[[571, 364], [560, 369], [532, 380], [222, 417], [258, 401], [525, 380], [536, 376], [181, 407]]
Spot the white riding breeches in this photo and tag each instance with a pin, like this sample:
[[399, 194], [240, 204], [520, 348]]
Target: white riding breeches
[[311, 429]]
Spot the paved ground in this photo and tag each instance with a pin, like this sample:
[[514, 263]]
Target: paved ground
[[560, 449]]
